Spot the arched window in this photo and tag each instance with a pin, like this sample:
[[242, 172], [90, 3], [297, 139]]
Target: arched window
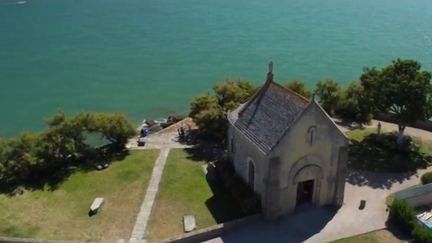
[[251, 174], [311, 134]]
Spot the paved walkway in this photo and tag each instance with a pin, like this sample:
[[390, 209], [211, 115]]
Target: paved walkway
[[167, 139], [414, 132], [326, 224], [152, 189]]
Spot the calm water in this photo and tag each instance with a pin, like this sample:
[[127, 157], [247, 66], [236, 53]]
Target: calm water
[[148, 58]]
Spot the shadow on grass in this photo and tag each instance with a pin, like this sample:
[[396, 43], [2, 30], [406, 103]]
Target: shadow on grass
[[381, 153], [221, 205], [50, 178]]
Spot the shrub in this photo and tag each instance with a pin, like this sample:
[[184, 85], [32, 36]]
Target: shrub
[[421, 234], [242, 194], [33, 158], [426, 178], [403, 215]]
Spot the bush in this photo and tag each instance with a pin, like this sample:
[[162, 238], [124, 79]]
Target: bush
[[242, 194], [426, 178], [403, 215], [422, 234]]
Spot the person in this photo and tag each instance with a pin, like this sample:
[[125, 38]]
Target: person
[[379, 128]]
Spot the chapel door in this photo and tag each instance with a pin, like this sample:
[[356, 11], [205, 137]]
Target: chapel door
[[305, 192]]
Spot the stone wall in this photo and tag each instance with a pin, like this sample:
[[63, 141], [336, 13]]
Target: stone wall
[[325, 152], [27, 240], [212, 231], [244, 151]]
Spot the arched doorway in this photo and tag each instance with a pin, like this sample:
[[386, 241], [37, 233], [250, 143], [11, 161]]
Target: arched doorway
[[307, 180]]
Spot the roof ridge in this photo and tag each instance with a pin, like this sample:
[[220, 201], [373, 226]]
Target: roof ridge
[[291, 92]]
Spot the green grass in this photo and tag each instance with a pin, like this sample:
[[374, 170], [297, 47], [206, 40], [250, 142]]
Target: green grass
[[359, 134], [377, 236], [185, 190], [63, 213]]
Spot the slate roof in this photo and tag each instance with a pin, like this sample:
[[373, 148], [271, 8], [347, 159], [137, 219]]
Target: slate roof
[[268, 115]]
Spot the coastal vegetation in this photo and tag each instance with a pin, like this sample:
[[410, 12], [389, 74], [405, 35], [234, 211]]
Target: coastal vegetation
[[34, 159], [209, 112], [400, 89], [61, 213]]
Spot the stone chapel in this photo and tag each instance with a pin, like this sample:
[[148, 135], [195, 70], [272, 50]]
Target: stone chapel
[[288, 149]]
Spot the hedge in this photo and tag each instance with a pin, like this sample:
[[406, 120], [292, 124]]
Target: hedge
[[405, 217], [426, 178]]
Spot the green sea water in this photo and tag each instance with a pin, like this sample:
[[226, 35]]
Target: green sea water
[[148, 58]]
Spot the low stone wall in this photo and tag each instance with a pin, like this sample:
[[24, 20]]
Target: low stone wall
[[416, 196], [27, 240], [212, 231]]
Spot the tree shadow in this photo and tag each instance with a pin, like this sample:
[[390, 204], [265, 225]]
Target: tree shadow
[[381, 153], [377, 180], [299, 226], [207, 151], [221, 205], [50, 178]]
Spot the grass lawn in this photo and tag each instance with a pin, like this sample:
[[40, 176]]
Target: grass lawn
[[377, 236], [359, 134], [184, 190], [63, 213]]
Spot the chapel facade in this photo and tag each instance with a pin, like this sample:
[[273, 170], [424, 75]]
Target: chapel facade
[[288, 149]]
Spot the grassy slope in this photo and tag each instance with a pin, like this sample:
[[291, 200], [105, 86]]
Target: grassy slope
[[62, 213], [371, 237], [185, 190]]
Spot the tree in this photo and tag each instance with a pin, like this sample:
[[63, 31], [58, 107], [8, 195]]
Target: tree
[[298, 87], [329, 94], [401, 89], [210, 112], [353, 105]]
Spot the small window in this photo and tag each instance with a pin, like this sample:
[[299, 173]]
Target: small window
[[311, 135]]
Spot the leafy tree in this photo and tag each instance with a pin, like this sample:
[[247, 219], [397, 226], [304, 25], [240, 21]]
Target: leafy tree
[[209, 112], [20, 157], [298, 87], [353, 105], [114, 127], [329, 94], [231, 93], [401, 89]]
